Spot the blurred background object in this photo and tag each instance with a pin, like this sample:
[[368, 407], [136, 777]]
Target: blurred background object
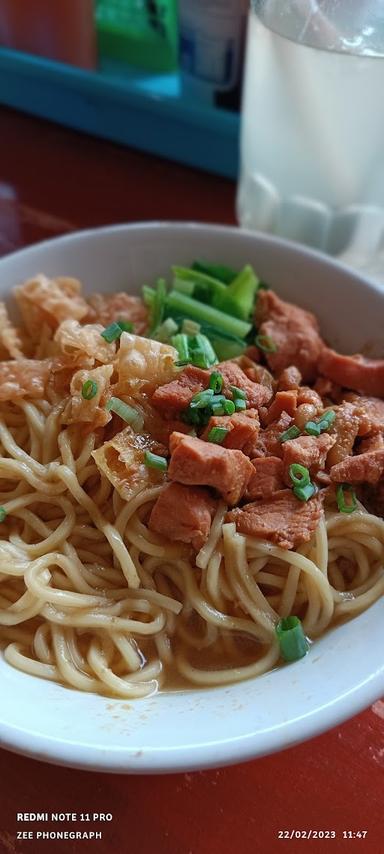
[[212, 36], [58, 29], [141, 33], [312, 129], [132, 93], [165, 76]]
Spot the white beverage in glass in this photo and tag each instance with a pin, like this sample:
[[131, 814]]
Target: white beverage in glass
[[312, 141]]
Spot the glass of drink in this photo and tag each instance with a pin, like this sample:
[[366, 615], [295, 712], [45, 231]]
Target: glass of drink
[[312, 137]]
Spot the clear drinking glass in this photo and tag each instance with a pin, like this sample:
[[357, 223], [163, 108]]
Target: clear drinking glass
[[312, 139]]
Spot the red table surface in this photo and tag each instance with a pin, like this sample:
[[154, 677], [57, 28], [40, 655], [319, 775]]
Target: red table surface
[[54, 181]]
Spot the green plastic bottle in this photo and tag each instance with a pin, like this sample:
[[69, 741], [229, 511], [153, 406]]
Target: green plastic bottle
[[140, 33]]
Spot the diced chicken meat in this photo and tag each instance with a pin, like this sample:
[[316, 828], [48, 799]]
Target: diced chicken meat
[[290, 378], [176, 396], [197, 463], [294, 332], [268, 442], [308, 451], [309, 396], [266, 479], [362, 468], [183, 513], [370, 411], [281, 519], [371, 443], [354, 372], [257, 393], [284, 401], [345, 429], [327, 389], [243, 429]]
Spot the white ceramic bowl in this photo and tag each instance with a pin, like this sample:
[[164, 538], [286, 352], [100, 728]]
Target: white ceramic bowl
[[344, 671]]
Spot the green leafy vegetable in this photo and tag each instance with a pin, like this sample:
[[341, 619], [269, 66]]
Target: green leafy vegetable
[[240, 295], [178, 303], [216, 271], [158, 305]]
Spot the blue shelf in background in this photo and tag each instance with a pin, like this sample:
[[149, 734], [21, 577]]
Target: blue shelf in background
[[145, 111]]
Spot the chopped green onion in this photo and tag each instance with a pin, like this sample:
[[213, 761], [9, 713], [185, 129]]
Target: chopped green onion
[[239, 296], [312, 428], [216, 382], [153, 461], [201, 399], [292, 641], [3, 514], [195, 349], [190, 327], [111, 332], [292, 433], [238, 393], [304, 493], [216, 271], [125, 411], [240, 404], [217, 409], [224, 407], [166, 329], [218, 405], [178, 303], [201, 351], [180, 342], [299, 475], [326, 420], [342, 491], [125, 325], [266, 344], [217, 435], [89, 389], [197, 417]]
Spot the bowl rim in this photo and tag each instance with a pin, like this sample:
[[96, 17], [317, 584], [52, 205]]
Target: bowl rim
[[236, 749], [197, 757], [292, 247]]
